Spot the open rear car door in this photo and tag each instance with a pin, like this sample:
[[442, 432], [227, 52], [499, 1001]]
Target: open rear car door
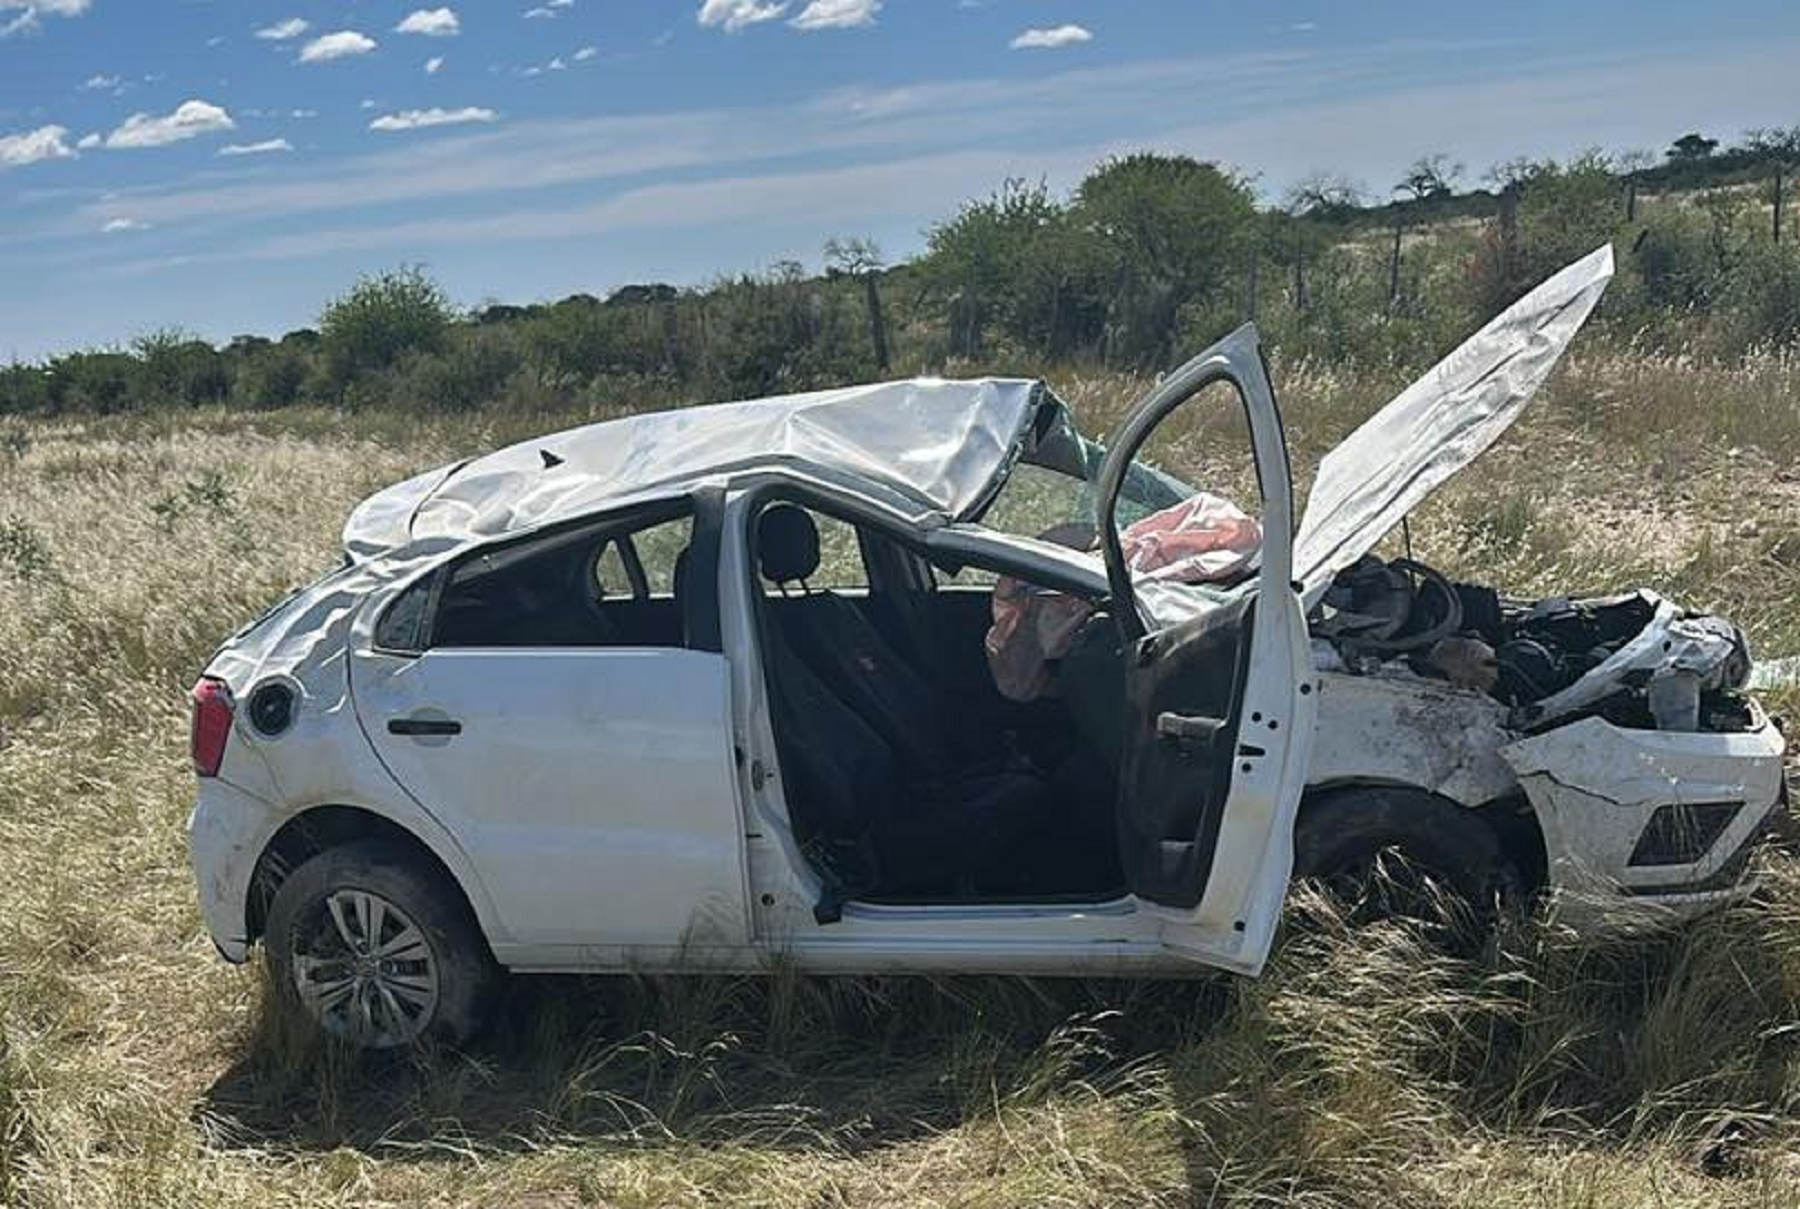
[[1219, 704]]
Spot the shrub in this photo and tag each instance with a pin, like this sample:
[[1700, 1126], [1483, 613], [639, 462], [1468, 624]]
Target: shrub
[[384, 318], [177, 367], [1762, 298], [273, 377], [97, 382], [24, 389], [22, 549], [471, 373], [570, 342]]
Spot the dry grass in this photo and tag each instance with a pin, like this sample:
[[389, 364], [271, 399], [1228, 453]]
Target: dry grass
[[135, 1069]]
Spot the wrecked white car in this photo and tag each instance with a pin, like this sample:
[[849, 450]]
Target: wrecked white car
[[687, 690]]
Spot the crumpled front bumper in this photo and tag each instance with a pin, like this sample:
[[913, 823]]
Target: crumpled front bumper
[[1596, 788]]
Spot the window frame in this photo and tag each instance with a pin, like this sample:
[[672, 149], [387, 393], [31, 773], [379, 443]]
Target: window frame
[[700, 625]]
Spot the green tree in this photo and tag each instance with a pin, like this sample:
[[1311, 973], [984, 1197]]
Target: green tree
[[1430, 178], [1172, 233], [996, 265], [1564, 212], [1691, 148], [383, 318], [181, 368]]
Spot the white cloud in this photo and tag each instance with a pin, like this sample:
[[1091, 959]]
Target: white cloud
[[115, 225], [263, 148], [733, 15], [90, 141], [281, 31], [29, 10], [836, 14], [344, 43], [419, 119], [44, 143], [189, 120], [100, 83], [539, 14], [434, 65], [586, 53], [1052, 38], [432, 22], [305, 113]]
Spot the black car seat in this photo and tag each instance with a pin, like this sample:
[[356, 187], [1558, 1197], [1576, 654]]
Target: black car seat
[[958, 814]]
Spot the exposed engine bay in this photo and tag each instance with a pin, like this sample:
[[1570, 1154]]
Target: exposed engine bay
[[1634, 659]]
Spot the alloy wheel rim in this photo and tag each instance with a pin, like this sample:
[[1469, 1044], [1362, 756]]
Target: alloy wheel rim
[[364, 970]]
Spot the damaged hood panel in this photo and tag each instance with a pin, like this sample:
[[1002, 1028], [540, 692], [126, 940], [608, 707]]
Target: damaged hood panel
[[1440, 423]]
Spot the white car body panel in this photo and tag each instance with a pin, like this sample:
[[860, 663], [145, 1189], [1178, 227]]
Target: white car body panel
[[1392, 730], [593, 788], [1594, 787]]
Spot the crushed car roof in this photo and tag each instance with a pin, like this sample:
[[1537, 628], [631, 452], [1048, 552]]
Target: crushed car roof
[[939, 444]]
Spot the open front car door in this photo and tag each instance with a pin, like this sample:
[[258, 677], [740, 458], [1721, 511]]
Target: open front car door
[[1219, 695]]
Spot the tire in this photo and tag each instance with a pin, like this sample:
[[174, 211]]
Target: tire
[[428, 976], [1447, 856]]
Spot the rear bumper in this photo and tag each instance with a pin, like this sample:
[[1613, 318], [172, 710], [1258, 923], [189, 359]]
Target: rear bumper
[[226, 833], [1596, 788]]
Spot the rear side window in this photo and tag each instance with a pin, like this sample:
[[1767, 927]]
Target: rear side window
[[608, 585], [402, 626]]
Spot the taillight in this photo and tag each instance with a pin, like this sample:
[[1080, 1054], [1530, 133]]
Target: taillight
[[212, 725]]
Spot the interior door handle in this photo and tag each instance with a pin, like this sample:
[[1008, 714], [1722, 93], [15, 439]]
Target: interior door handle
[[418, 727]]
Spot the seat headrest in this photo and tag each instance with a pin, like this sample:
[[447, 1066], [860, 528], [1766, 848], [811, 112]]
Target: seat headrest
[[787, 543]]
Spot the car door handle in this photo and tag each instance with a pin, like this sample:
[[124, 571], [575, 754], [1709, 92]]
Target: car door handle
[[419, 727], [1190, 734]]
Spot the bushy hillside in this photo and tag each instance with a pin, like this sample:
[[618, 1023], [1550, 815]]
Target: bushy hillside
[[1150, 257]]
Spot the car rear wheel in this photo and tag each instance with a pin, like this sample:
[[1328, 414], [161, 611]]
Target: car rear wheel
[[376, 950], [1381, 853]]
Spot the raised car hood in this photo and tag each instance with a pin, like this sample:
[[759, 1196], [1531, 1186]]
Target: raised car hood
[[1440, 423]]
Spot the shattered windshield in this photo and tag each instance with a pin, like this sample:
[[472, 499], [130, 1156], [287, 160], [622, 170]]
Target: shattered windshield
[[1053, 490]]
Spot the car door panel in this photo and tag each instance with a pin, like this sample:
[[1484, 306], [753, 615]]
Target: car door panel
[[594, 790], [1219, 704]]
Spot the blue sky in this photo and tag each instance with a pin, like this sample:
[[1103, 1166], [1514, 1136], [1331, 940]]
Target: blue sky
[[229, 165]]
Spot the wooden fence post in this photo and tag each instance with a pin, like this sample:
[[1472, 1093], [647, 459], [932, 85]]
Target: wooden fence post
[[1394, 266], [1779, 170], [877, 323]]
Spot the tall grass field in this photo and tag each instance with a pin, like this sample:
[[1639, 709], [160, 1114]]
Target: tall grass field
[[1364, 1068]]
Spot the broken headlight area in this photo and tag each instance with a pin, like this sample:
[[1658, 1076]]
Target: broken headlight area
[[1633, 659]]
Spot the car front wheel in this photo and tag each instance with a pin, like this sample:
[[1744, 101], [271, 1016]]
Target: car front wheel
[[1384, 852], [377, 950]]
